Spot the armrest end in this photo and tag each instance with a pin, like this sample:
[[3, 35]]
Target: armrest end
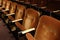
[[29, 36]]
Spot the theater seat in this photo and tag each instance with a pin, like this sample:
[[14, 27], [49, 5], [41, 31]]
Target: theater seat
[[3, 4], [6, 9], [48, 29], [0, 3], [20, 12], [8, 3], [30, 19], [13, 7], [7, 6]]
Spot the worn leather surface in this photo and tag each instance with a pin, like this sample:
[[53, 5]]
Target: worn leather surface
[[48, 29], [30, 18]]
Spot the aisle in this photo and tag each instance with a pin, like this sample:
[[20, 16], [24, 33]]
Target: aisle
[[4, 32]]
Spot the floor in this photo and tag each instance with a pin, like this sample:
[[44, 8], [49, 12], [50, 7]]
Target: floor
[[4, 32]]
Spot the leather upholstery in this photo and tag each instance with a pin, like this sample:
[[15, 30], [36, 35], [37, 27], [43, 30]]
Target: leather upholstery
[[4, 3], [48, 29], [30, 18], [7, 5], [0, 2], [20, 12], [13, 7]]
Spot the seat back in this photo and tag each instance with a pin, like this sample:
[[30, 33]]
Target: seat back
[[13, 7], [20, 12], [4, 3], [7, 5], [1, 2], [48, 29], [31, 18]]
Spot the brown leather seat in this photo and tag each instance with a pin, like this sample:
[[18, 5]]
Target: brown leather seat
[[20, 9], [20, 12], [0, 2], [30, 19], [48, 29], [8, 3], [7, 6], [3, 4], [13, 7]]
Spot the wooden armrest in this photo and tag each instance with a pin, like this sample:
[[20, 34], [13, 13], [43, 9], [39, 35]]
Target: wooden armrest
[[29, 36]]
